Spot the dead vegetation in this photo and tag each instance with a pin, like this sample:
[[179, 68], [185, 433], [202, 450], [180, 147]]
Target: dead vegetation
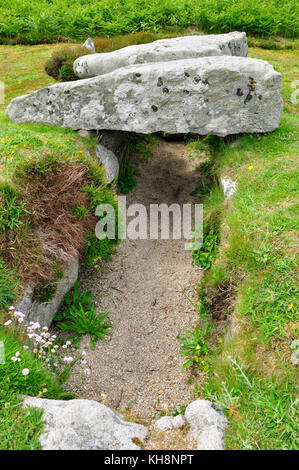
[[50, 233]]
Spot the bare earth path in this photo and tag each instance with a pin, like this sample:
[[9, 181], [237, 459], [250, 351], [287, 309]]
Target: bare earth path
[[144, 290]]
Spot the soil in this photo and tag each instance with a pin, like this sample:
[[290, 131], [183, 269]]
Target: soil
[[144, 288]]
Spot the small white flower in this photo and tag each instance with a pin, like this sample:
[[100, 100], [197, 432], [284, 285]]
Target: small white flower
[[68, 343], [83, 353], [68, 360], [8, 322], [14, 359], [86, 371], [11, 307], [17, 353], [84, 361], [25, 371], [25, 347]]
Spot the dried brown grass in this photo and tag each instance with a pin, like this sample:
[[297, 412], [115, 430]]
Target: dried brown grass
[[50, 232]]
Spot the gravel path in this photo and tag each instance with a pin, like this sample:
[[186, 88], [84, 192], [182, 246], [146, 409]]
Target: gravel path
[[144, 290]]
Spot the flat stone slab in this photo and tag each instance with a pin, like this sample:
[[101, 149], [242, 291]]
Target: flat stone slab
[[162, 50], [212, 95], [85, 425]]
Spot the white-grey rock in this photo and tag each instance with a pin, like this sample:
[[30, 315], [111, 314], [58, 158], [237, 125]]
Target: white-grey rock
[[169, 422], [109, 160], [212, 95], [178, 421], [207, 423], [45, 312], [85, 425], [89, 45], [229, 187], [162, 50]]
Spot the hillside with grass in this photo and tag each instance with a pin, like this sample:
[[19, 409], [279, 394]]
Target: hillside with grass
[[60, 20], [239, 353]]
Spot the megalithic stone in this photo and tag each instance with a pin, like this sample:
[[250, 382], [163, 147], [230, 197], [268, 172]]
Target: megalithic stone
[[212, 95], [163, 50]]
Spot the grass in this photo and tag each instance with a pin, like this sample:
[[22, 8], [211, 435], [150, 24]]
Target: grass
[[254, 277], [23, 22], [20, 428]]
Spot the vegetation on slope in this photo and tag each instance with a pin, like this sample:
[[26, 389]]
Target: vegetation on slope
[[252, 286], [50, 184], [30, 23]]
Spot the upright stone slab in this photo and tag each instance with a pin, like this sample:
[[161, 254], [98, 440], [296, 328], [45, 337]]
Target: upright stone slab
[[211, 95], [162, 50]]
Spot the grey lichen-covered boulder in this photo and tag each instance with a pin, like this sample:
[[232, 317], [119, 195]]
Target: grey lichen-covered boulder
[[162, 50], [212, 95], [109, 160], [207, 424], [85, 425], [45, 312]]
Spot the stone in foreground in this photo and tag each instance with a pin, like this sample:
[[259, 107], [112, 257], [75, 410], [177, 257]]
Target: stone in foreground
[[109, 160], [85, 425], [163, 50], [212, 95], [207, 424], [46, 311]]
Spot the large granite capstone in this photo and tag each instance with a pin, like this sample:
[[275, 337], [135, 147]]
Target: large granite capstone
[[163, 50], [211, 95]]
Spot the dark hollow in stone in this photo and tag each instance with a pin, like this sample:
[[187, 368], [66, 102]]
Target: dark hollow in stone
[[240, 92], [205, 82], [196, 79], [154, 108], [248, 98], [260, 97], [187, 74], [137, 74], [165, 90], [187, 92], [160, 82]]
